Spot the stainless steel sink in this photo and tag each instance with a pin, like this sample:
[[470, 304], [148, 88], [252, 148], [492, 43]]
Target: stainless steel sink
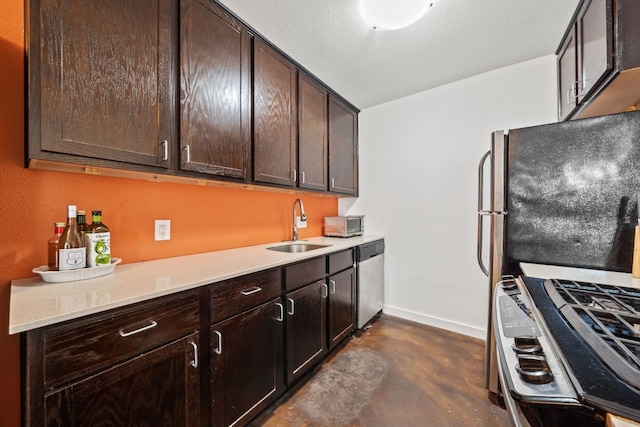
[[296, 247]]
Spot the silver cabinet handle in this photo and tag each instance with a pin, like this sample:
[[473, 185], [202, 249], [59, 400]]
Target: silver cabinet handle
[[187, 154], [218, 350], [580, 88], [194, 362], [280, 317], [301, 177], [333, 182], [253, 290], [333, 286], [165, 149], [294, 174], [325, 290], [291, 303], [122, 332]]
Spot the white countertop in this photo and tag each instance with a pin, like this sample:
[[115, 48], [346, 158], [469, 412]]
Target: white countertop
[[35, 304], [580, 274]]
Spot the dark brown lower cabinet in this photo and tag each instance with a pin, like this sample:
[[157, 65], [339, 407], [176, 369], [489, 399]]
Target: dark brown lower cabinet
[[246, 364], [151, 364], [158, 388], [341, 305], [306, 328]]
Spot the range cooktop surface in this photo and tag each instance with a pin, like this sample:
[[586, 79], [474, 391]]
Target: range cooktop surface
[[597, 328]]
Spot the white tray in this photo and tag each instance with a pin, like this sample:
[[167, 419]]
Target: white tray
[[79, 274]]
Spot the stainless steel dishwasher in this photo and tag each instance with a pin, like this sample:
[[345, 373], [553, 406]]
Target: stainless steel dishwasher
[[370, 271]]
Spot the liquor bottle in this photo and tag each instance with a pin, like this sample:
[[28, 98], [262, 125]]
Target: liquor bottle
[[53, 246], [72, 253], [82, 223], [98, 241]]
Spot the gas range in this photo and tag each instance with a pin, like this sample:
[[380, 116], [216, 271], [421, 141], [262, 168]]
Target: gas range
[[568, 351]]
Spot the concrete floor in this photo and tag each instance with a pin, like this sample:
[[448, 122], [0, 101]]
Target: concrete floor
[[395, 373]]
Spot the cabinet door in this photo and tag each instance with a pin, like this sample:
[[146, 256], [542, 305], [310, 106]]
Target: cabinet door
[[158, 388], [595, 41], [215, 93], [246, 364], [105, 73], [567, 76], [313, 136], [306, 328], [342, 287], [343, 148], [274, 117]]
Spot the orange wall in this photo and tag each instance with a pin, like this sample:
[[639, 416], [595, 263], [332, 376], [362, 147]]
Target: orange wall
[[202, 218]]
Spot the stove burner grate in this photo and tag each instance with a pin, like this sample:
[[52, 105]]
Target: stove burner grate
[[607, 318]]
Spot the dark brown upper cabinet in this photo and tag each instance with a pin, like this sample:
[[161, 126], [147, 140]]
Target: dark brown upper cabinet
[[274, 117], [215, 91], [181, 91], [599, 60], [100, 79], [343, 148], [313, 134]]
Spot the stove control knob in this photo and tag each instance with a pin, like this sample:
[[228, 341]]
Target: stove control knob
[[526, 345], [509, 284], [534, 369]]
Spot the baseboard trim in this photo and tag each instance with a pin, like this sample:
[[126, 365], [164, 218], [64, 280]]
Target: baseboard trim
[[437, 322]]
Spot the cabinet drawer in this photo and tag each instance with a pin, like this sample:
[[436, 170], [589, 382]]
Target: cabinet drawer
[[234, 296], [80, 347], [340, 261], [304, 273]]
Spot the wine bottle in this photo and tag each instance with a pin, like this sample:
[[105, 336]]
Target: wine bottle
[[53, 246], [82, 223], [72, 254], [98, 241]]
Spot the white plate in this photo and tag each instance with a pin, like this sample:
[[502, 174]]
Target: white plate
[[79, 274]]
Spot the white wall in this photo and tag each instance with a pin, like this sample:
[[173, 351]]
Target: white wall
[[418, 186]]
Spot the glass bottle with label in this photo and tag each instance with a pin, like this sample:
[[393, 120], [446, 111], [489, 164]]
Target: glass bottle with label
[[82, 223], [72, 254], [53, 246], [98, 240]]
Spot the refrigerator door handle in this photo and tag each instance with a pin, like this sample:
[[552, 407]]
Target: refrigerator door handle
[[481, 212]]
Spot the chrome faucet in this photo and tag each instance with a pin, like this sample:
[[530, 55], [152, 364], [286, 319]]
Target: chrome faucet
[[303, 217]]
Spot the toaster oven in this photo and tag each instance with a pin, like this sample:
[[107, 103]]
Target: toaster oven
[[344, 226]]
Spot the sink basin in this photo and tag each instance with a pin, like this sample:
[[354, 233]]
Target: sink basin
[[296, 247]]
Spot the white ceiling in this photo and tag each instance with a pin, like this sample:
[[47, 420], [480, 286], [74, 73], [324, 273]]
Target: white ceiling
[[454, 40]]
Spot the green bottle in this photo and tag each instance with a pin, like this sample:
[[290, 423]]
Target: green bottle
[[98, 240]]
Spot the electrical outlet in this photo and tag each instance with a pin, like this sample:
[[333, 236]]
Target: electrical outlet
[[163, 229]]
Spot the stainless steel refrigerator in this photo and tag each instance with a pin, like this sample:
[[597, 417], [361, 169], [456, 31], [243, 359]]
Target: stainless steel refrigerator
[[560, 194]]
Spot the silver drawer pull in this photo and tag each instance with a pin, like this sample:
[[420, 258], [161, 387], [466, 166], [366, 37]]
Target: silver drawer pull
[[325, 292], [280, 317], [194, 362], [165, 150], [333, 286], [187, 154], [218, 350], [291, 311], [253, 290], [122, 333]]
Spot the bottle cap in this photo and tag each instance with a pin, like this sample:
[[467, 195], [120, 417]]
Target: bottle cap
[[96, 213], [59, 224], [82, 212]]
